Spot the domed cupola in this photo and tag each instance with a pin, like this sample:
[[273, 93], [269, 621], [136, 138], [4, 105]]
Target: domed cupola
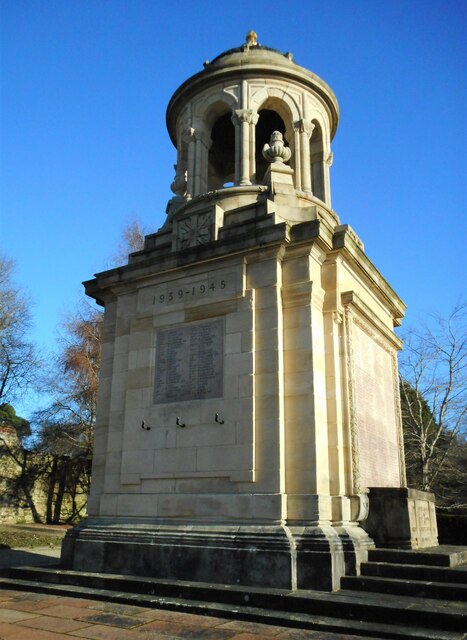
[[221, 119]]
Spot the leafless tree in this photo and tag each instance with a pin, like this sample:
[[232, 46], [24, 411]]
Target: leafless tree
[[434, 397], [59, 450], [132, 240], [63, 431], [73, 384], [18, 357]]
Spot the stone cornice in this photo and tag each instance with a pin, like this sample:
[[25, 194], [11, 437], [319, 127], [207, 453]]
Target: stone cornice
[[352, 299], [108, 283], [345, 241]]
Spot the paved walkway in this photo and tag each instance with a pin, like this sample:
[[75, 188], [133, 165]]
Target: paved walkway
[[35, 616], [37, 557]]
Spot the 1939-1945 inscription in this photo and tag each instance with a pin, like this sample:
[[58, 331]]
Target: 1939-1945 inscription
[[189, 362]]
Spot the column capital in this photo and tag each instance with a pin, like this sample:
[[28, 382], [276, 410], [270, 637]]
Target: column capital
[[202, 133], [188, 134], [304, 126], [338, 317], [244, 115], [193, 134]]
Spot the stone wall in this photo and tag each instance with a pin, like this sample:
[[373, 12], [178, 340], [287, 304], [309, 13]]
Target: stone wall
[[14, 508]]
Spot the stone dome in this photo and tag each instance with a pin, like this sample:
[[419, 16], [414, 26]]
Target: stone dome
[[250, 61]]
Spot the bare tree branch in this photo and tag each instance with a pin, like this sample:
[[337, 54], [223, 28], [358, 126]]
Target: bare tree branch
[[434, 397], [19, 361]]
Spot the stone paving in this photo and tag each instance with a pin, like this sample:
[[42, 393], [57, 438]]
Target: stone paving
[[33, 616], [37, 557]]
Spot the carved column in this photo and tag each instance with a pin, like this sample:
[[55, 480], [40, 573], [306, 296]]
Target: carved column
[[297, 159], [327, 164], [188, 136], [203, 143], [304, 130], [253, 121], [198, 141], [244, 120]]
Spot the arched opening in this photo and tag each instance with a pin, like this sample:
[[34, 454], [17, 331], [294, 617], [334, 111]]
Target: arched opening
[[221, 160], [268, 122], [316, 161]]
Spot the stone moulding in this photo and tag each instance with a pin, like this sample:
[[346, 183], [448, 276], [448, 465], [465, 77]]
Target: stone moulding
[[271, 556], [351, 402]]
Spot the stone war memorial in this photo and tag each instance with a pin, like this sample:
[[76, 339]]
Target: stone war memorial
[[249, 428]]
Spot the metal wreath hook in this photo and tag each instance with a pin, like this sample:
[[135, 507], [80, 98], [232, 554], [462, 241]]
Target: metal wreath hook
[[219, 420], [180, 424]]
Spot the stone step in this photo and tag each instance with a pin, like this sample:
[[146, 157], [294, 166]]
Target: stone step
[[413, 588], [441, 556], [389, 616], [252, 614], [457, 575]]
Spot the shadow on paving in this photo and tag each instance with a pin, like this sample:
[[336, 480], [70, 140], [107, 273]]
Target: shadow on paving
[[37, 557]]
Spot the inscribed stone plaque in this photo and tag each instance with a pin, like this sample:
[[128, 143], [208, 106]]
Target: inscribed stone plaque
[[190, 362], [376, 416]]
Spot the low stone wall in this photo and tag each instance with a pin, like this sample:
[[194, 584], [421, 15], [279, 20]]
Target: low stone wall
[[14, 508], [401, 518]]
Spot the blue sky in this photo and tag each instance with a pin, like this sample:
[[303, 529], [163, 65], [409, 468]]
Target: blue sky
[[84, 147]]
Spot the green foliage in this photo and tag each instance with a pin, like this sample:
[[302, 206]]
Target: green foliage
[[8, 417], [28, 536]]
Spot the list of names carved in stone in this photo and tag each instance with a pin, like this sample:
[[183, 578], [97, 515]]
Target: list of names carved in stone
[[377, 427], [189, 362]]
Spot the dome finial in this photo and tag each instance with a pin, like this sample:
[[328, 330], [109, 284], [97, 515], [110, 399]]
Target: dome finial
[[252, 38]]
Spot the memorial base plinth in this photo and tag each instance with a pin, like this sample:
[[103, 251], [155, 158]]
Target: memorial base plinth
[[401, 518], [266, 556]]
